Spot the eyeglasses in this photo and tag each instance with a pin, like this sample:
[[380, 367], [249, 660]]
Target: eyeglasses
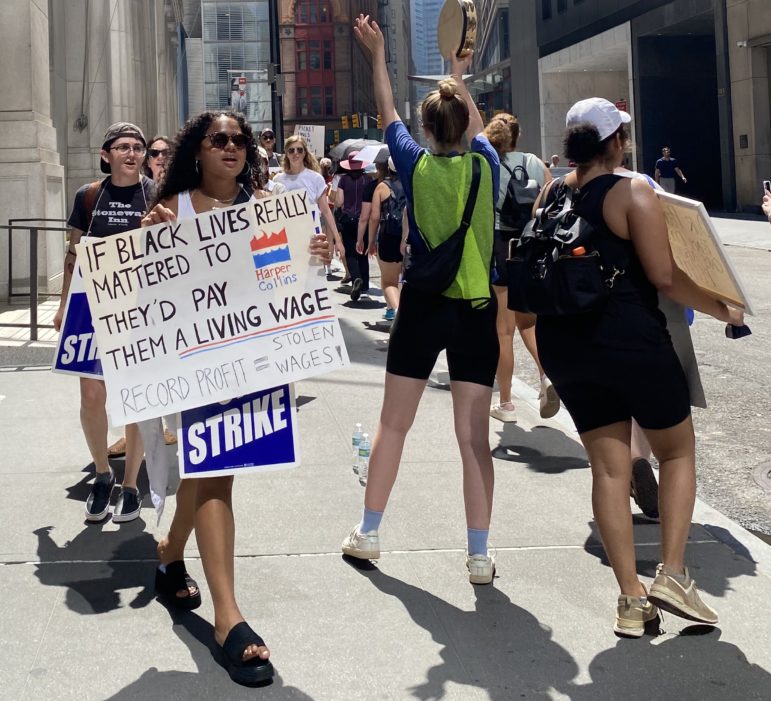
[[220, 139], [295, 149], [267, 137], [155, 152], [123, 149]]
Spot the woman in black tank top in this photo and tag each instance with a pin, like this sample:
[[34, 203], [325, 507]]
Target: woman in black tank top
[[617, 363]]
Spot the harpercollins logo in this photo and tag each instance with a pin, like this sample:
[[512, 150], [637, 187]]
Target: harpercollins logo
[[270, 249]]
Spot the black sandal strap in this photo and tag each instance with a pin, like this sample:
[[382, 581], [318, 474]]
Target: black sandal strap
[[240, 637], [177, 573]]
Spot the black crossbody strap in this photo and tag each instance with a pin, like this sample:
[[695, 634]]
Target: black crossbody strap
[[476, 174]]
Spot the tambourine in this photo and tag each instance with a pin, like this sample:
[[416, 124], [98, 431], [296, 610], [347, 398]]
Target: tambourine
[[456, 31]]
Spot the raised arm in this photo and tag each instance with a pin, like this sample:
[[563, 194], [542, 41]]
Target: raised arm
[[370, 37], [459, 67]]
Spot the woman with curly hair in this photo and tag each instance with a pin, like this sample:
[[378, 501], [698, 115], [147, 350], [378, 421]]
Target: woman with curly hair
[[212, 167], [301, 170], [503, 133]]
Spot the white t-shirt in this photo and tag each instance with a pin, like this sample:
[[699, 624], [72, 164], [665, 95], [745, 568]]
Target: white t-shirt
[[312, 181]]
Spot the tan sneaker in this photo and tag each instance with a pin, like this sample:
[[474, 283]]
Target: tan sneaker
[[481, 568], [365, 546], [548, 399], [632, 613], [680, 599]]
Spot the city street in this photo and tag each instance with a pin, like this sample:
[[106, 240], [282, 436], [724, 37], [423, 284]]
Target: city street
[[81, 622]]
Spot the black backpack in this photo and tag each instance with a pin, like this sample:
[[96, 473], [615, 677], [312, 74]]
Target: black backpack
[[392, 209], [555, 269], [521, 193]]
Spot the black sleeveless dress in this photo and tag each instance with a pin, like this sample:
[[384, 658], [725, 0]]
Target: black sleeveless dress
[[615, 363]]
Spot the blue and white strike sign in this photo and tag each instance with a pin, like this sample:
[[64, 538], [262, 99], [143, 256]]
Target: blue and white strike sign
[[253, 433], [76, 351]]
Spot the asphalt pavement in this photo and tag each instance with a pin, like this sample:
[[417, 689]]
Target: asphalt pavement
[[80, 620]]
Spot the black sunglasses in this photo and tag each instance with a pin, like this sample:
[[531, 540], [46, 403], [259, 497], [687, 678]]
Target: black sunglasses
[[220, 139], [155, 152], [268, 137], [297, 149]]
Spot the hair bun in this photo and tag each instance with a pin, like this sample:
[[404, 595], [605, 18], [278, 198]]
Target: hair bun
[[447, 89]]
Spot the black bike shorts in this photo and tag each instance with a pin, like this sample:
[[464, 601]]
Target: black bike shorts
[[427, 324]]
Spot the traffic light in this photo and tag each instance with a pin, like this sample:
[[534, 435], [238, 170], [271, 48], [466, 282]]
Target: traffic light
[[355, 120], [344, 120], [379, 122]]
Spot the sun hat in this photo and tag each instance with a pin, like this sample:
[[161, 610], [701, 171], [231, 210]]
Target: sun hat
[[352, 164], [600, 113], [116, 131]]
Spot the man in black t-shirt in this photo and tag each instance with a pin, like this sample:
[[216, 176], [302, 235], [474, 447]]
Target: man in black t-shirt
[[114, 205], [666, 169]]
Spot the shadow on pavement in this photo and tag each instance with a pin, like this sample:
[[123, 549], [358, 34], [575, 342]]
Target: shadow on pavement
[[498, 647], [713, 570], [692, 665], [542, 449], [211, 681], [97, 565]]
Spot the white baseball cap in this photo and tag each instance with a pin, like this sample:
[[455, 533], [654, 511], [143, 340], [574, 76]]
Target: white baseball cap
[[600, 113]]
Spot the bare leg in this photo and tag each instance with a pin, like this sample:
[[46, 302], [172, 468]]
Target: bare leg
[[505, 325], [93, 419], [526, 325], [135, 452], [675, 449], [389, 281], [400, 403], [640, 446], [171, 548], [215, 533], [608, 450], [470, 404]]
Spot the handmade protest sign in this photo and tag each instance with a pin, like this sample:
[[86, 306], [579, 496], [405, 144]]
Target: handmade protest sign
[[698, 251], [253, 433], [314, 137], [197, 311], [76, 349]]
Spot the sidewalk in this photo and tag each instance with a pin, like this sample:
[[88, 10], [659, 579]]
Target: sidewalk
[[80, 621]]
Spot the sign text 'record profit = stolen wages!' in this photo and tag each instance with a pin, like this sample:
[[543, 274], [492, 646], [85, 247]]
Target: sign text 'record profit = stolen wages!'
[[202, 310]]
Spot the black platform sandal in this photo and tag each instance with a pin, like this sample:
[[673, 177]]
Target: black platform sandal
[[253, 672], [175, 579]]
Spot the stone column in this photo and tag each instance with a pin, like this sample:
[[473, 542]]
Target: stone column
[[31, 177]]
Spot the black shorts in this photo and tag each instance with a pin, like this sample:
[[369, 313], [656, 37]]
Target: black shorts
[[426, 325], [389, 248], [501, 253], [603, 386]]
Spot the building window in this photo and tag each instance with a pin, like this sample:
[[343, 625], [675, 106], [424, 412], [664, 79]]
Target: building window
[[327, 55], [302, 102], [329, 101], [314, 55], [312, 12], [546, 9], [316, 101], [562, 5]]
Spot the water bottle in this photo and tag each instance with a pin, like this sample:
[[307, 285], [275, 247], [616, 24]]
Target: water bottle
[[364, 450], [355, 441]]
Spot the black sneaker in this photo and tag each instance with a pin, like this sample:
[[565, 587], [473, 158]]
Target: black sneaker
[[645, 489], [356, 289], [128, 506], [98, 502]]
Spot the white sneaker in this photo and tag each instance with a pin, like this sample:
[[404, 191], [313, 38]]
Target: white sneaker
[[365, 546], [548, 399], [481, 568], [504, 412]]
